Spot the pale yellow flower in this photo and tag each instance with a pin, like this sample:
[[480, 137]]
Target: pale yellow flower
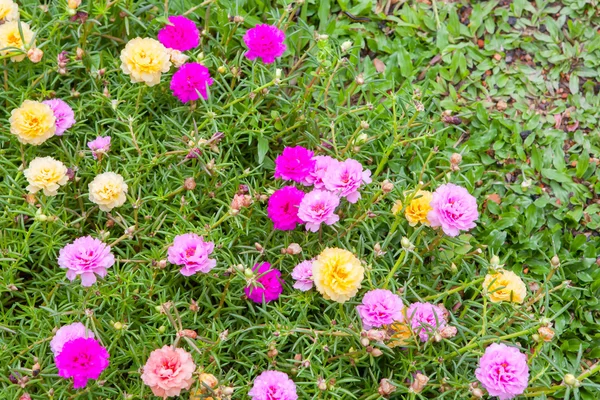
[[11, 40], [418, 208], [400, 335], [504, 286], [33, 122], [9, 11], [337, 274], [397, 207], [108, 191], [145, 59], [47, 174]]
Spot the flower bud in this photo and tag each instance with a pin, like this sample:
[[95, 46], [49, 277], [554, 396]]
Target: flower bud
[[546, 333], [406, 244], [455, 159], [238, 19], [494, 261], [364, 125], [118, 326], [555, 261], [387, 186], [571, 381], [189, 184], [386, 388], [294, 248], [418, 383], [525, 184], [376, 352], [346, 46], [360, 79], [477, 393], [162, 329], [35, 55], [248, 273], [222, 69], [321, 384], [73, 4], [322, 37], [364, 341]]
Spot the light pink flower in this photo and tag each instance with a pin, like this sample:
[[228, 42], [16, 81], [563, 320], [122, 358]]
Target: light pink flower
[[380, 307], [345, 178], [99, 146], [67, 333], [265, 42], [322, 166], [273, 385], [65, 117], [425, 319], [302, 274], [87, 257], [168, 371], [191, 252], [318, 207], [503, 371], [453, 208]]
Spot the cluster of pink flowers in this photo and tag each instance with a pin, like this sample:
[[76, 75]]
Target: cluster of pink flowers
[[191, 252], [266, 285], [332, 180], [86, 257]]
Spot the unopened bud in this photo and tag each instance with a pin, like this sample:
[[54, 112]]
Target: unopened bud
[[406, 244], [118, 326], [222, 69], [346, 46], [364, 341], [376, 352], [162, 329], [79, 53], [364, 125], [455, 159], [418, 383], [259, 247], [322, 37], [189, 184], [321, 384], [477, 393], [386, 388], [546, 333], [35, 55], [555, 261], [238, 19], [571, 381], [495, 261], [248, 273], [272, 353], [387, 186], [294, 248], [360, 79]]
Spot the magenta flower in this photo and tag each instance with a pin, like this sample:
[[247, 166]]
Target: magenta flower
[[81, 359], [65, 117], [181, 34], [294, 164], [318, 207], [302, 274], [453, 208], [283, 208], [345, 178], [380, 307], [68, 333], [322, 166], [87, 257], [190, 82], [273, 385], [264, 42], [425, 319], [503, 371], [99, 146], [269, 287], [191, 252]]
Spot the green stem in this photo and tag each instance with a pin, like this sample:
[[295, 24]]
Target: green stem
[[455, 290]]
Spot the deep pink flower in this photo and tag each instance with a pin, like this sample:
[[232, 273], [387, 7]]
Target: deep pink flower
[[191, 252], [302, 274], [190, 82], [283, 208], [87, 257], [425, 319], [67, 333], [318, 207], [182, 34], [265, 42], [380, 307], [503, 371], [322, 166], [345, 178], [99, 146], [65, 117], [294, 164], [168, 371], [270, 284], [453, 208], [82, 359], [273, 385]]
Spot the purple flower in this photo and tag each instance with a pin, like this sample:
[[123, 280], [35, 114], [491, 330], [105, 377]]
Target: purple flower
[[294, 164], [453, 208], [67, 333], [182, 34], [302, 274], [87, 257], [99, 146], [283, 208], [273, 385], [190, 82], [318, 207], [380, 307], [81, 359], [345, 178], [265, 42], [503, 371], [425, 319], [65, 117], [269, 285], [191, 252]]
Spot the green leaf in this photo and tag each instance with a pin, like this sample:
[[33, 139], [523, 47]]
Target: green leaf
[[263, 148]]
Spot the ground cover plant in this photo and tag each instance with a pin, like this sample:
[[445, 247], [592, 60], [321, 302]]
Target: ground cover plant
[[296, 200]]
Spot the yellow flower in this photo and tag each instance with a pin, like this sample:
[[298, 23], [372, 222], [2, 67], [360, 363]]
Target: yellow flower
[[337, 274], [504, 286], [33, 122], [145, 60], [418, 208], [9, 11], [400, 335], [397, 207], [10, 36], [108, 191], [208, 385], [47, 174]]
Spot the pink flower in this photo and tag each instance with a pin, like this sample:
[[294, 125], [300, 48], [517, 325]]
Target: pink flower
[[99, 146], [265, 42], [302, 274], [67, 333], [182, 34], [190, 82], [318, 207], [322, 165], [191, 251], [273, 385], [87, 257], [168, 371], [283, 208], [453, 208], [503, 371], [82, 359], [294, 164], [269, 287], [380, 307], [65, 117], [425, 319], [345, 178]]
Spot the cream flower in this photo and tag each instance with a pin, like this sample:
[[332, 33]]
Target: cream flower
[[9, 11], [177, 57], [337, 274], [47, 174], [145, 60], [108, 191], [33, 122], [11, 40], [504, 286]]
